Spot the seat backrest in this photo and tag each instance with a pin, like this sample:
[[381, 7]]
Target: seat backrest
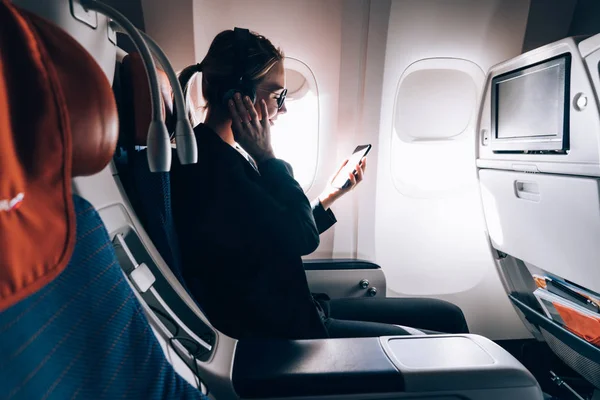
[[149, 192], [84, 335], [70, 324], [540, 192]]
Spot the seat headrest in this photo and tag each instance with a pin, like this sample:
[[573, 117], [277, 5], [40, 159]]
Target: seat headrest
[[57, 120], [136, 107]]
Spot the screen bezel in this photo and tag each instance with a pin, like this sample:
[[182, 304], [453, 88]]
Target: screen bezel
[[551, 143]]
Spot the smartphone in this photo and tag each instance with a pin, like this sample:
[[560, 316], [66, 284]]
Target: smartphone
[[341, 180]]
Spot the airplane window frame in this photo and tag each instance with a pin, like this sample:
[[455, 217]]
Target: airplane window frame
[[297, 65], [408, 189], [466, 67]]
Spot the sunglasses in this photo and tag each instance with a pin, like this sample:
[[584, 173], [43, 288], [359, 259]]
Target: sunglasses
[[280, 99]]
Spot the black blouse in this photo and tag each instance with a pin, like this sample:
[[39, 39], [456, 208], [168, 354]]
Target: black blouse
[[242, 233]]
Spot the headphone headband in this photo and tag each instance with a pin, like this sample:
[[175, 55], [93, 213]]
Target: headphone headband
[[241, 51], [243, 83]]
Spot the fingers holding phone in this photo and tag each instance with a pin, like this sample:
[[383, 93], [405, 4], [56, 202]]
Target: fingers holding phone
[[360, 170], [354, 165], [354, 177], [350, 174]]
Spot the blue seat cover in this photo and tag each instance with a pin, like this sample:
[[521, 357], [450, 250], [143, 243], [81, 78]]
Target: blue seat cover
[[84, 335]]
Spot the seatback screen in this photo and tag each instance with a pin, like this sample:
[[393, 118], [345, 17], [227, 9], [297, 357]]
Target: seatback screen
[[532, 102]]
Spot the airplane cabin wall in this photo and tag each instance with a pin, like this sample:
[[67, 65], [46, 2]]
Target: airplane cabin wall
[[171, 25], [424, 224], [364, 45], [352, 87]]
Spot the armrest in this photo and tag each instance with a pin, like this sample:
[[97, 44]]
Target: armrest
[[337, 264], [455, 366], [280, 368]]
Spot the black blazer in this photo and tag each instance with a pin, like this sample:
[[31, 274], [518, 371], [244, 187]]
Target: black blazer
[[242, 233]]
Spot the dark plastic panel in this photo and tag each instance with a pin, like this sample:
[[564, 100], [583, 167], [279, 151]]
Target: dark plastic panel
[[338, 264], [266, 368]]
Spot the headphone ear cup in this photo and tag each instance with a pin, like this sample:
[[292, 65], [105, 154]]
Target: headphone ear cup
[[248, 89], [252, 94], [244, 89], [228, 96]]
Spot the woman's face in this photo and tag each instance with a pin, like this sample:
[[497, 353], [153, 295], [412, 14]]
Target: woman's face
[[269, 90]]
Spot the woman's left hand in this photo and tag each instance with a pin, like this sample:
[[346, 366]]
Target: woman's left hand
[[331, 193]]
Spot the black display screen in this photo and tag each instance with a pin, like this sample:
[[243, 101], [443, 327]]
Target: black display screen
[[532, 102]]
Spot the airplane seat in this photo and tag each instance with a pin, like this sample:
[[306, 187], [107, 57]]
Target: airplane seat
[[70, 324], [149, 192], [539, 172]]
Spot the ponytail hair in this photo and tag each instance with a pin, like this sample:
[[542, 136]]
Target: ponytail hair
[[218, 69]]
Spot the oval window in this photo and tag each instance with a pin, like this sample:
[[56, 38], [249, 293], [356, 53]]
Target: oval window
[[295, 136]]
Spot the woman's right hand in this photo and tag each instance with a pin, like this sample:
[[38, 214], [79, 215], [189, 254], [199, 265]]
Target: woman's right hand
[[252, 134]]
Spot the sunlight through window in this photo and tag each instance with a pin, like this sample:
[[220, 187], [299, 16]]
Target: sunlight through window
[[296, 134]]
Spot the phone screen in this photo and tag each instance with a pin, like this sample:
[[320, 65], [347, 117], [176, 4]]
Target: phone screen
[[341, 180]]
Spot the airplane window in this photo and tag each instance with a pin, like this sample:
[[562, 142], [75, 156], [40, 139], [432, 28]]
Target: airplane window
[[296, 134], [434, 128], [434, 104]]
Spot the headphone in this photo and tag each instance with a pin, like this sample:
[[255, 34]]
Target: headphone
[[244, 85]]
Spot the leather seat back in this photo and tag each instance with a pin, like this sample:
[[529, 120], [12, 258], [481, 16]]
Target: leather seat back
[[149, 192]]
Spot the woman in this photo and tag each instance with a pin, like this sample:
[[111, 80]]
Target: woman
[[244, 222]]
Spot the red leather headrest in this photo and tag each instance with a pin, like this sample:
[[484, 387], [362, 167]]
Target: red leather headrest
[[57, 120], [136, 102], [89, 100]]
